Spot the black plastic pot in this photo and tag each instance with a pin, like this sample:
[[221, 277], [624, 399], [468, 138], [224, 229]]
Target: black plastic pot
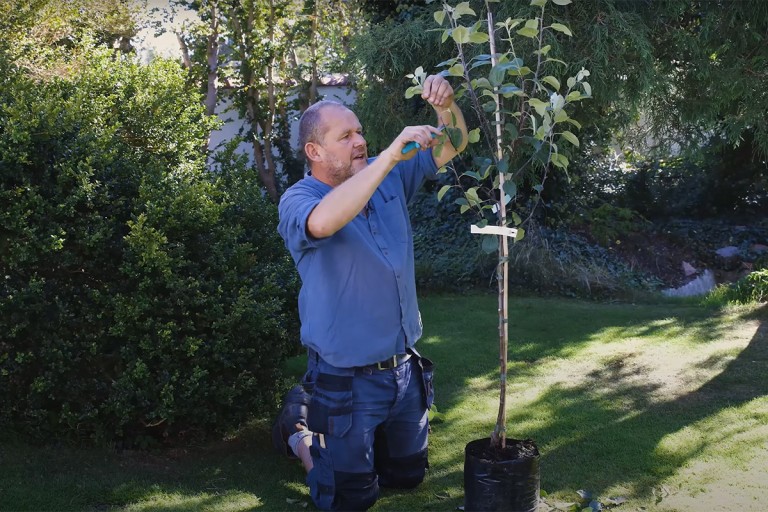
[[496, 480]]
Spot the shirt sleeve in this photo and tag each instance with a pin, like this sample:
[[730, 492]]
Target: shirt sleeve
[[413, 172], [294, 208]]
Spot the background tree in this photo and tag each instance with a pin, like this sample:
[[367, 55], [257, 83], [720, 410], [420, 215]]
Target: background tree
[[274, 53]]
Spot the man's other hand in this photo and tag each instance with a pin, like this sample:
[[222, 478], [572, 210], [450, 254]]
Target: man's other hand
[[437, 91]]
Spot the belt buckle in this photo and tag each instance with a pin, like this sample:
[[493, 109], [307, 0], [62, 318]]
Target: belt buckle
[[393, 360]]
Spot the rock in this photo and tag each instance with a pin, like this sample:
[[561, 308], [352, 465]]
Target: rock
[[729, 251], [759, 248], [729, 257], [688, 269], [699, 286]]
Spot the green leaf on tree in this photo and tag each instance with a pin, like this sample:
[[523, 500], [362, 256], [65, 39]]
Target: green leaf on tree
[[520, 234], [474, 135], [460, 34], [539, 105], [538, 3], [559, 160], [499, 71], [456, 70], [574, 123], [561, 116], [439, 17], [562, 28], [449, 62], [570, 137], [511, 90], [562, 2], [461, 10], [478, 37], [554, 82], [454, 135], [481, 83], [573, 96], [510, 188], [490, 244], [413, 91], [443, 190], [472, 197]]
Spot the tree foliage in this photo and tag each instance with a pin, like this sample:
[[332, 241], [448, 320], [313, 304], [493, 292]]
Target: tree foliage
[[275, 54], [142, 296]]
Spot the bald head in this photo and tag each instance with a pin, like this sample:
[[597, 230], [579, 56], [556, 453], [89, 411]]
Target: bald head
[[311, 128]]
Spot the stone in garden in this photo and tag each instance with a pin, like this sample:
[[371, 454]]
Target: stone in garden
[[689, 269], [759, 248], [728, 252], [699, 286], [729, 257]]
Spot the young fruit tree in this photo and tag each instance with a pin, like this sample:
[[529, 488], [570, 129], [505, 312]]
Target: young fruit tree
[[509, 76]]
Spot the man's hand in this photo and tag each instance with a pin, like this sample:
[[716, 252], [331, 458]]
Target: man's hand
[[424, 135], [437, 92]]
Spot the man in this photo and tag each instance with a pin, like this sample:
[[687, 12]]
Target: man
[[360, 419]]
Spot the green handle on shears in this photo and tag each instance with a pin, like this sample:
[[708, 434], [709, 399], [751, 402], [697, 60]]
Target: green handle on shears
[[415, 145]]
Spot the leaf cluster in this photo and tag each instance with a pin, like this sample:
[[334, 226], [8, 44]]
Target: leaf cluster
[[142, 297]]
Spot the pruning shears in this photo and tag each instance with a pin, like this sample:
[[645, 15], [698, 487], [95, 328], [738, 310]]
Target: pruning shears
[[415, 145]]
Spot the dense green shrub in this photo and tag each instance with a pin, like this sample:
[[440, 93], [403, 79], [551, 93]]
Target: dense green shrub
[[141, 296], [447, 255], [752, 288], [557, 261]]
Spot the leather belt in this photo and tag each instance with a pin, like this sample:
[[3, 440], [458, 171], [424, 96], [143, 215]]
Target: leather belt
[[391, 362]]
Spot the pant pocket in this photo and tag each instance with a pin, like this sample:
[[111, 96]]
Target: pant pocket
[[427, 375], [330, 410]]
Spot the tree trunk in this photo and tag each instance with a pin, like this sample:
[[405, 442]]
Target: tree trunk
[[185, 58], [313, 57], [499, 436], [212, 57]]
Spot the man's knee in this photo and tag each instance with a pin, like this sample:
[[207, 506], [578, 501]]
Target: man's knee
[[401, 472], [355, 491]]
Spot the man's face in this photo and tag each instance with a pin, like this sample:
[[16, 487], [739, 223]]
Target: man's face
[[342, 148]]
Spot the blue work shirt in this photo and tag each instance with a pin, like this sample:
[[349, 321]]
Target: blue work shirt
[[357, 302]]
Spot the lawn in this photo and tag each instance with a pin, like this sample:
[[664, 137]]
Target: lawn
[[663, 405]]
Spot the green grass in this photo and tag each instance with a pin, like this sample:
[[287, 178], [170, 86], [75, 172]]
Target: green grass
[[665, 405]]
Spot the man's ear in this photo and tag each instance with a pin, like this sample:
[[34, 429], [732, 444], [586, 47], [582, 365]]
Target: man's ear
[[312, 152]]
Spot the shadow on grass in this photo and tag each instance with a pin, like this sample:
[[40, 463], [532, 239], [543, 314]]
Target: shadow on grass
[[614, 403], [461, 337]]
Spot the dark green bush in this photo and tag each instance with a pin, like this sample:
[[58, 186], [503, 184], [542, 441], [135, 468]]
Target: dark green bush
[[142, 297], [752, 288], [447, 255]]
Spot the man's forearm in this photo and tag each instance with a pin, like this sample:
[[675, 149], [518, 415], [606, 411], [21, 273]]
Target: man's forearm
[[452, 117], [345, 201]]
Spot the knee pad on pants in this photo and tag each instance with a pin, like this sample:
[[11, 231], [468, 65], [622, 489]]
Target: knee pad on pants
[[355, 491], [401, 472]]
